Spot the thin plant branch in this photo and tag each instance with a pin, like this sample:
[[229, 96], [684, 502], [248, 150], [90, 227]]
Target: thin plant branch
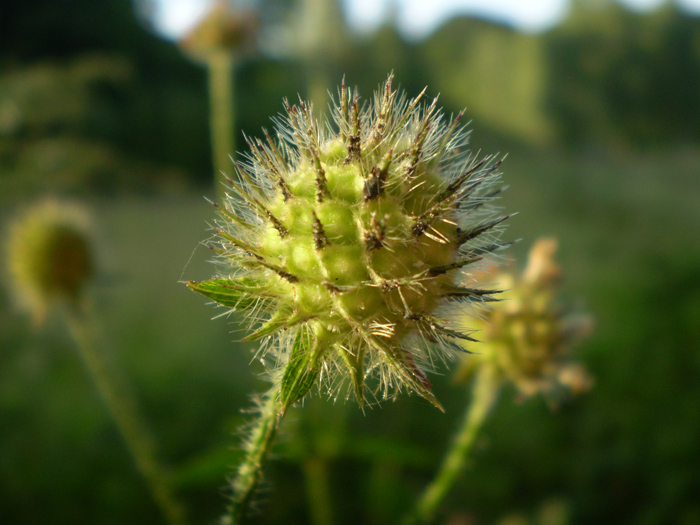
[[484, 396], [126, 414], [257, 449]]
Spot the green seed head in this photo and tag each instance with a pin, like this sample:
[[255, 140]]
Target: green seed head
[[343, 239], [49, 256]]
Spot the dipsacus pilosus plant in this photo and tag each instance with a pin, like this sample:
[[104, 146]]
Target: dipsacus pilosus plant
[[342, 240]]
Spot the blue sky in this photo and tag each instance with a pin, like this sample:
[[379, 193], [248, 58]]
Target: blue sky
[[415, 17]]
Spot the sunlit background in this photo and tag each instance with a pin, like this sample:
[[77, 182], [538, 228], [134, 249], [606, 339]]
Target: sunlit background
[[597, 103], [416, 18]]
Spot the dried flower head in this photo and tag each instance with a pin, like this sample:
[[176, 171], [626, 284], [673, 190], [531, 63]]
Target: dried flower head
[[340, 241], [49, 255], [527, 335]]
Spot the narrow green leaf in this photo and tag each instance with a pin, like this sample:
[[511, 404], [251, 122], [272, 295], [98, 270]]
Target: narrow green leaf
[[356, 364], [277, 321], [401, 362], [240, 294], [410, 373], [302, 369]]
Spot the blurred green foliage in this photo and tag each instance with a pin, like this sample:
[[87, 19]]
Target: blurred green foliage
[[600, 116], [93, 81]]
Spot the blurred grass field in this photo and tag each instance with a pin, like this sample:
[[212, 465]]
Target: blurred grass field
[[625, 453]]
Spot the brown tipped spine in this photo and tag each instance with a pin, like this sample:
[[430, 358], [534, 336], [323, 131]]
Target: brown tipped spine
[[344, 109], [447, 201], [275, 222], [223, 211], [279, 271], [374, 185], [320, 239], [284, 189], [468, 235], [274, 148], [479, 293], [244, 246], [295, 121], [416, 152], [447, 137], [439, 270], [384, 110], [426, 320], [411, 107], [475, 204], [374, 238], [322, 190], [489, 248], [354, 148], [457, 183]]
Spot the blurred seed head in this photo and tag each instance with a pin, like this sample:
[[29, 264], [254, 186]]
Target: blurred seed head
[[49, 257], [527, 336], [224, 31]]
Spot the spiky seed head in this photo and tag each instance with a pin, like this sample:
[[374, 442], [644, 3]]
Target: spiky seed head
[[341, 240], [49, 255], [527, 336]]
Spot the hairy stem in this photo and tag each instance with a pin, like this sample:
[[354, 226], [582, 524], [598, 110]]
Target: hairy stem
[[126, 414], [257, 448], [484, 395]]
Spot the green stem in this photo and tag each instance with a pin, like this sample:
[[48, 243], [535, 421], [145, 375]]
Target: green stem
[[319, 439], [257, 448], [318, 85], [318, 494], [318, 37], [484, 394], [125, 412], [221, 115]]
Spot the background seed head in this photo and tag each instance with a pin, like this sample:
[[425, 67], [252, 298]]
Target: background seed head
[[222, 31], [528, 335], [342, 240], [49, 255]]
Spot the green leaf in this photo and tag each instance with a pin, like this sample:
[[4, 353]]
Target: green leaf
[[401, 361], [240, 294], [403, 364], [417, 381], [303, 369], [279, 320], [356, 365]]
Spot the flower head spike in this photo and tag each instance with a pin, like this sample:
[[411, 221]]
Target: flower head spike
[[49, 256], [341, 240], [527, 335]]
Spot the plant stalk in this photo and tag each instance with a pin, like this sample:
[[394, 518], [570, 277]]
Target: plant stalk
[[125, 411], [484, 395], [317, 86], [221, 115], [317, 489], [257, 448]]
